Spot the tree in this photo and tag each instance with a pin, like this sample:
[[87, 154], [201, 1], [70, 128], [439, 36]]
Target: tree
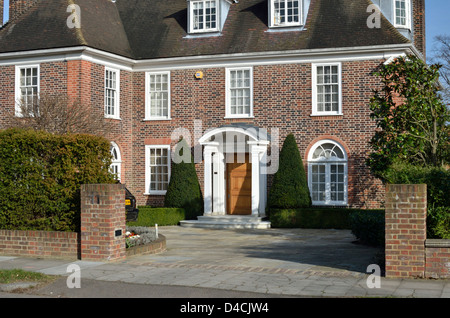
[[289, 189], [59, 114], [410, 115], [184, 189], [442, 57]]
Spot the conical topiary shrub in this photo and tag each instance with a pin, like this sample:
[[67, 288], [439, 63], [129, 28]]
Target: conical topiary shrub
[[289, 189], [184, 189]]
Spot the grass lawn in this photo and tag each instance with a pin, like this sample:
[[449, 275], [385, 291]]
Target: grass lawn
[[10, 276]]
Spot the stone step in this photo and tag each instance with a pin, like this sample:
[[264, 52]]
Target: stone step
[[227, 222], [230, 218]]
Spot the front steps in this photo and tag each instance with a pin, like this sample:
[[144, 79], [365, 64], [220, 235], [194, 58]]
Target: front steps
[[227, 222]]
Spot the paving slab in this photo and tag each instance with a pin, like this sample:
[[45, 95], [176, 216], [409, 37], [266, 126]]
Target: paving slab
[[287, 262]]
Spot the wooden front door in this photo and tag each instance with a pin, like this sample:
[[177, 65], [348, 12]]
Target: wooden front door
[[239, 187]]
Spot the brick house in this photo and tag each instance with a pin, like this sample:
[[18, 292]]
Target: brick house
[[233, 77]]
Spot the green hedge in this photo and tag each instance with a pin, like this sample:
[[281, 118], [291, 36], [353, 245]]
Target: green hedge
[[311, 218], [184, 189], [149, 216], [289, 189], [438, 190], [41, 175], [368, 226]]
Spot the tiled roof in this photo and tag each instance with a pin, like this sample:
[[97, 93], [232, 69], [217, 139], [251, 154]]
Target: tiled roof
[[148, 29]]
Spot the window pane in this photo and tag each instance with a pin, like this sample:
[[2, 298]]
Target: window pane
[[159, 95], [240, 92], [327, 88], [159, 169]]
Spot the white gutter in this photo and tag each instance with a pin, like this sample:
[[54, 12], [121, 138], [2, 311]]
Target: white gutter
[[219, 60]]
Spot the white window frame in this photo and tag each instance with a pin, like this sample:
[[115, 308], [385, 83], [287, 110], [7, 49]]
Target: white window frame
[[116, 162], [407, 24], [191, 16], [116, 89], [148, 101], [18, 93], [272, 17], [315, 111], [148, 148], [327, 163], [228, 113]]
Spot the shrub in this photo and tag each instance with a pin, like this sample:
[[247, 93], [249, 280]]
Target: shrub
[[310, 218], [438, 189], [184, 189], [436, 179], [149, 216], [289, 189], [438, 222], [41, 175], [368, 226]]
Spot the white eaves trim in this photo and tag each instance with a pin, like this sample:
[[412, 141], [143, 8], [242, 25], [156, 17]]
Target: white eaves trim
[[204, 61]]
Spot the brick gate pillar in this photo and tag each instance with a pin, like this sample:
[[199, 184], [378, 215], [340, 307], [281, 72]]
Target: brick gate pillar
[[103, 222], [406, 212]]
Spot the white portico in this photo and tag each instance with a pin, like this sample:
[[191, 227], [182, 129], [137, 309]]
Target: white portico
[[235, 179]]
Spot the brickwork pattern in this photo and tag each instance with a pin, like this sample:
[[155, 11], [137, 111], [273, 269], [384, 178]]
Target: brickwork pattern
[[282, 99], [103, 222], [39, 244], [406, 211], [437, 259]]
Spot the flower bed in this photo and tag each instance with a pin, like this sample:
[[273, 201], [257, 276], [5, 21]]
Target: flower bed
[[139, 235], [141, 240]]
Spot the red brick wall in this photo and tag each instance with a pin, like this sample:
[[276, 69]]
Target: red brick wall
[[7, 93], [17, 7], [419, 25], [2, 8], [39, 244], [437, 258], [102, 214], [282, 99], [406, 211]]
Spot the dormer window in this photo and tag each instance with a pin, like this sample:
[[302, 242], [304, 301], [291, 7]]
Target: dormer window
[[285, 13], [203, 16], [402, 13]]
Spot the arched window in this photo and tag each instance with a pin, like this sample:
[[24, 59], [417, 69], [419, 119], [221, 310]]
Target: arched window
[[116, 162], [327, 173]]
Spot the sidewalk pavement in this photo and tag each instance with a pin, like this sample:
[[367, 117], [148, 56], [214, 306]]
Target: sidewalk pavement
[[238, 263]]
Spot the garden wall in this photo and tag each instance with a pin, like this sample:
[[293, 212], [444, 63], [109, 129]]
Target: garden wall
[[102, 236], [40, 244], [408, 252]]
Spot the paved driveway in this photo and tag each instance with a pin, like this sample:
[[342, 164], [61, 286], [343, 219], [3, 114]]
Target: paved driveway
[[272, 250]]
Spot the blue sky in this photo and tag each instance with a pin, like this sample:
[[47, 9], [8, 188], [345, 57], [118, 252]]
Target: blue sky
[[437, 20]]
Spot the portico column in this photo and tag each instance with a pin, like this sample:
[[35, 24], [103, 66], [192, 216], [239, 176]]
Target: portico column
[[208, 179], [255, 181]]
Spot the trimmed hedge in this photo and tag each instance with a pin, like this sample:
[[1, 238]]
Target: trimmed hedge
[[184, 189], [149, 216], [311, 218], [41, 175], [368, 226], [290, 188], [438, 190]]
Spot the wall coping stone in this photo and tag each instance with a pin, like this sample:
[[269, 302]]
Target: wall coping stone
[[437, 243]]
